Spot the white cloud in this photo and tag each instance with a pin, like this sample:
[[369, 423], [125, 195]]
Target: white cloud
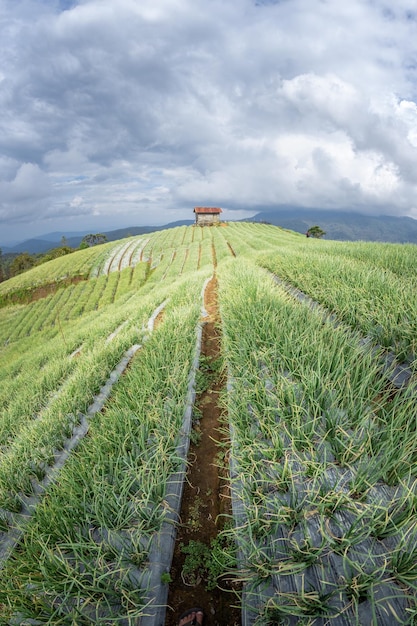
[[22, 196], [141, 110]]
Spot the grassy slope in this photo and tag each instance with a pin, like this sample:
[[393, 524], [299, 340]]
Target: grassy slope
[[43, 386]]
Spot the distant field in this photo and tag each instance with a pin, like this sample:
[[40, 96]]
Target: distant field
[[323, 447]]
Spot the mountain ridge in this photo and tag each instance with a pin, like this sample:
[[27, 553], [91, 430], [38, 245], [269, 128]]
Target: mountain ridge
[[344, 226]]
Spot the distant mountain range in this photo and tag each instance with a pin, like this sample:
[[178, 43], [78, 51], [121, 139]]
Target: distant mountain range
[[339, 225], [344, 226], [73, 240]]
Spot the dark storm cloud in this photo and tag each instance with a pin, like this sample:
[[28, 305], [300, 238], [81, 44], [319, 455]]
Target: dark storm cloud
[[141, 110]]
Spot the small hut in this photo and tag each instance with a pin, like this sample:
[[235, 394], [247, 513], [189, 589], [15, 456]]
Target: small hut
[[207, 215]]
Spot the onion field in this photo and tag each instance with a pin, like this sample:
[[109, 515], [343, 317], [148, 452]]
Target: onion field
[[99, 354]]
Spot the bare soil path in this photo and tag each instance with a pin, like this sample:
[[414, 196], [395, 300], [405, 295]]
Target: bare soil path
[[206, 493]]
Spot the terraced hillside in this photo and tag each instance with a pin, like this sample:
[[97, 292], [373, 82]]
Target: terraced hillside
[[101, 379]]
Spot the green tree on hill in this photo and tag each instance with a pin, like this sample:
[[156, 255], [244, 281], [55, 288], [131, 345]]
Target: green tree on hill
[[93, 240], [315, 231], [22, 263]]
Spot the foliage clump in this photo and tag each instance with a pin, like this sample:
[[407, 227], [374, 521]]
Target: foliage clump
[[316, 232]]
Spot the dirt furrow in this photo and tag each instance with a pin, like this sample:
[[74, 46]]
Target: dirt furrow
[[206, 500]]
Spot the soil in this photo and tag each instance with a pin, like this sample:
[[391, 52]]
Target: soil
[[206, 498], [37, 293]]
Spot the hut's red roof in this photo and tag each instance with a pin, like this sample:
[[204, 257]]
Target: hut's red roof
[[207, 209]]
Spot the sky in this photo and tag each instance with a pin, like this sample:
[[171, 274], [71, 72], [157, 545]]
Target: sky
[[132, 112]]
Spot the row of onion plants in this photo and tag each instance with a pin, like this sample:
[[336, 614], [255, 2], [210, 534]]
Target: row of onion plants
[[8, 317], [398, 258], [120, 255], [24, 395], [177, 258], [93, 301], [58, 270], [187, 258], [165, 240], [160, 266], [66, 303], [61, 305], [323, 463], [62, 310], [33, 368], [197, 233], [190, 261], [192, 257], [22, 322], [124, 284], [193, 235], [37, 419], [85, 557], [220, 243], [249, 237], [81, 296], [35, 313], [206, 253], [109, 292], [139, 275], [138, 253], [240, 238], [156, 248], [378, 302], [75, 302], [193, 260], [19, 355]]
